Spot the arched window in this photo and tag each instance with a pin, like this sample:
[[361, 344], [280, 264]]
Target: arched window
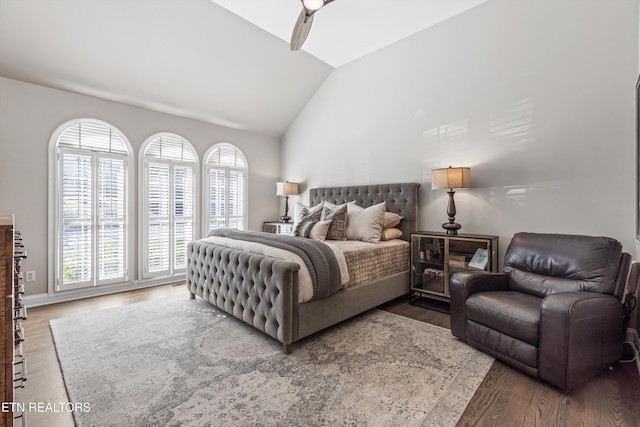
[[91, 206], [225, 181], [168, 211]]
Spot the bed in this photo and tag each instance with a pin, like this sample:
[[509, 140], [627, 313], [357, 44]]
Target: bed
[[263, 291]]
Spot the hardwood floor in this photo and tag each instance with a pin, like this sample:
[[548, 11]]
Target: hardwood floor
[[44, 384], [506, 397]]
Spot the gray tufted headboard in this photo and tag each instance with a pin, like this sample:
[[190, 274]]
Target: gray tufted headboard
[[401, 198]]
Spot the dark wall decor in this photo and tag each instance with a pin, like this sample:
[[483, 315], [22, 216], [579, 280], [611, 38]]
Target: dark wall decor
[[638, 159], [635, 319]]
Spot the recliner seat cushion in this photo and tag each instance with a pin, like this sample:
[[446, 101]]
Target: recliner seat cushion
[[512, 313]]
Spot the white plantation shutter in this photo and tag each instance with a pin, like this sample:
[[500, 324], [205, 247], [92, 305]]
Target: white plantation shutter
[[169, 204], [217, 198], [227, 155], [170, 147], [226, 178], [77, 207], [111, 218], [91, 205], [93, 137], [236, 199], [158, 194], [184, 220]]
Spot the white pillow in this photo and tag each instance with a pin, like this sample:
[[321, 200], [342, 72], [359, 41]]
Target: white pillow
[[365, 224], [319, 230], [311, 228]]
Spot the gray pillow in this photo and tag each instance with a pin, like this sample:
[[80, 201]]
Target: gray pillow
[[301, 211], [338, 217], [303, 227]]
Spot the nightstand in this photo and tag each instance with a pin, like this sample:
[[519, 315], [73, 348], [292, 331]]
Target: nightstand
[[278, 227], [436, 256]]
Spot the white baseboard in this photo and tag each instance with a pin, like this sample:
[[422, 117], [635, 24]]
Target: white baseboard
[[632, 337], [46, 299]]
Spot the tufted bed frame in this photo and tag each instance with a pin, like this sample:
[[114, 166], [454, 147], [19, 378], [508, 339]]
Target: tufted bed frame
[[262, 291]]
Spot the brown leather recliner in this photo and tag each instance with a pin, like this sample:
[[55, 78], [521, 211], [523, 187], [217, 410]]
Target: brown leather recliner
[[555, 313]]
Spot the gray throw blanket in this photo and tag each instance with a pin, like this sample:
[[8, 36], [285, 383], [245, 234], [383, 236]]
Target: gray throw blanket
[[318, 258]]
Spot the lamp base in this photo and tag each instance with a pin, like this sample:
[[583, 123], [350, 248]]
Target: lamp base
[[286, 217], [451, 227]]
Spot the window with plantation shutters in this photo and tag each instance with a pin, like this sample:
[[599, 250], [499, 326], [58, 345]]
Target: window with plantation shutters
[[225, 178], [168, 193], [90, 205]]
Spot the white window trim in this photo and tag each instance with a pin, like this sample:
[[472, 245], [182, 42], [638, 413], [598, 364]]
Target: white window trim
[[54, 220], [206, 183], [142, 204]]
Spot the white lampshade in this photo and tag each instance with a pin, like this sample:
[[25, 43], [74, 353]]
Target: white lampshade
[[286, 188], [313, 4], [451, 178]]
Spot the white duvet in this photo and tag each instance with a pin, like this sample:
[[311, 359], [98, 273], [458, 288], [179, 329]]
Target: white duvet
[[305, 286]]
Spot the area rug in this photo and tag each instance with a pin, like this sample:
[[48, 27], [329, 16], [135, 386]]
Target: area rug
[[181, 362]]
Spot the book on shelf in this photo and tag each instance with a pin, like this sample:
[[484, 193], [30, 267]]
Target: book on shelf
[[457, 261], [479, 259]]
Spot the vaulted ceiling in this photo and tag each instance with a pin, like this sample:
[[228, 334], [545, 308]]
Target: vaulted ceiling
[[222, 61]]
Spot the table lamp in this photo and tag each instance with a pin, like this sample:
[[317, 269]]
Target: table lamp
[[450, 178], [286, 189]]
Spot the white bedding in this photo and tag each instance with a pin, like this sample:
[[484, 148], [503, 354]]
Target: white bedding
[[305, 286]]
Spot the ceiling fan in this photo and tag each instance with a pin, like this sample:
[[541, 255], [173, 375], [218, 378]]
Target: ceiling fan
[[303, 24]]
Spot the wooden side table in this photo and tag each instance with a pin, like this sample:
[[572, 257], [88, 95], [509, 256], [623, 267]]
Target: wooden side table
[[436, 256]]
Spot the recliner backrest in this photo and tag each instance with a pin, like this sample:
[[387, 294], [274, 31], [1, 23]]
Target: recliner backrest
[[543, 264]]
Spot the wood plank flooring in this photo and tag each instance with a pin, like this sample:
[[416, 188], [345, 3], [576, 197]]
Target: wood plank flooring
[[44, 384], [506, 397]]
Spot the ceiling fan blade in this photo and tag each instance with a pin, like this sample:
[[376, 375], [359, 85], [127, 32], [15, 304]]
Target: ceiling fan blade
[[301, 30]]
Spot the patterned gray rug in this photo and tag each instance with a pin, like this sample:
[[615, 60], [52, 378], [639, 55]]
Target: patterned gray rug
[[180, 362]]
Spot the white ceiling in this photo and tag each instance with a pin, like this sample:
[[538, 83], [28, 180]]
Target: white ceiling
[[349, 29], [197, 59]]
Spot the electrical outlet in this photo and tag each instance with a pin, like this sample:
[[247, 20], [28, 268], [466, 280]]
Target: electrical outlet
[[31, 276]]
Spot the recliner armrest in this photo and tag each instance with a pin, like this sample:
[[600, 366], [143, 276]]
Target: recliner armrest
[[464, 284], [471, 282], [581, 333]]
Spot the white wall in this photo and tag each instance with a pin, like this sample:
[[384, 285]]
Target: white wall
[[28, 116], [536, 97]]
